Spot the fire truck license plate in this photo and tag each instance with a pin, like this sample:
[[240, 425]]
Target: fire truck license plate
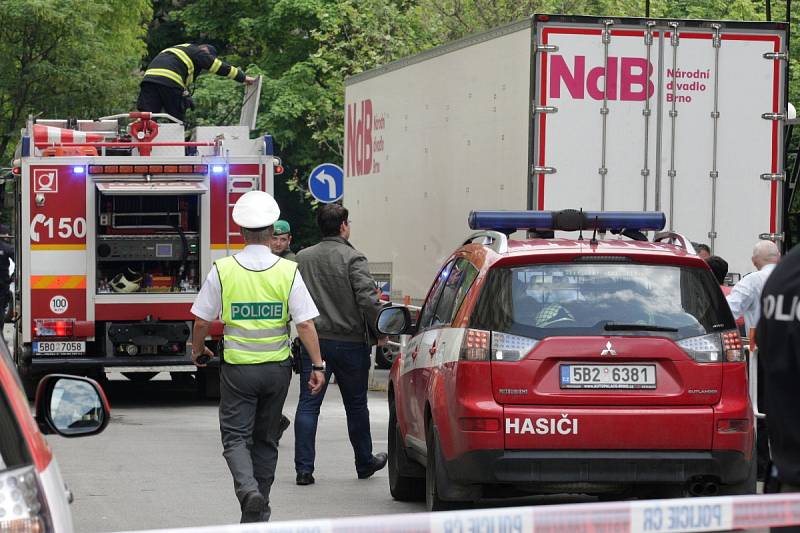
[[608, 376], [59, 347]]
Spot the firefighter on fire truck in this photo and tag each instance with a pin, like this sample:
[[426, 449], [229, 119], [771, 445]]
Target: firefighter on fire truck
[[167, 79]]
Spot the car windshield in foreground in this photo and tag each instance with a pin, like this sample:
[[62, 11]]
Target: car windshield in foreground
[[565, 299]]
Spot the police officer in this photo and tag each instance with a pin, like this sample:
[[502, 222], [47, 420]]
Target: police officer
[[169, 75], [254, 292], [778, 337], [279, 244], [282, 240]]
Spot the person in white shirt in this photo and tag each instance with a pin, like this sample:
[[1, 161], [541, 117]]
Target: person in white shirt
[[745, 298]]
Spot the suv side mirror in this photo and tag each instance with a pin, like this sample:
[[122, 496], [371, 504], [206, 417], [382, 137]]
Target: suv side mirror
[[71, 406], [394, 321]]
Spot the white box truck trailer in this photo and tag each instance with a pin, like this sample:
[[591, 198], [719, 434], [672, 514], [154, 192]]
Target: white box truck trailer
[[558, 112]]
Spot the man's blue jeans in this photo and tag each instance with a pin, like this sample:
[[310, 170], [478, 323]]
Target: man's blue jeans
[[349, 362]]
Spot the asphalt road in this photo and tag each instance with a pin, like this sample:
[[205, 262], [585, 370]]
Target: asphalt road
[[159, 464]]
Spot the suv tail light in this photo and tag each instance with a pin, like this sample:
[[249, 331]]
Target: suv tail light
[[507, 347], [714, 347], [481, 345], [52, 327], [732, 344], [475, 346], [21, 505]]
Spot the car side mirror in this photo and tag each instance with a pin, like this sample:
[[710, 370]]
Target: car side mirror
[[394, 321], [71, 406]]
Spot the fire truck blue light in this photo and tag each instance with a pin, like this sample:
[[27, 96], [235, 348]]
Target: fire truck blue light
[[78, 169], [549, 220], [218, 169]]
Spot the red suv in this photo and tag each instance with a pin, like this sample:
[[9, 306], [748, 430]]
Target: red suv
[[597, 364]]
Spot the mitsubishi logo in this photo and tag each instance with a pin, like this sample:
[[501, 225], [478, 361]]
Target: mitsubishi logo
[[609, 350]]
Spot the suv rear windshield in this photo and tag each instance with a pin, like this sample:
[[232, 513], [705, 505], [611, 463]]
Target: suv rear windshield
[[564, 299]]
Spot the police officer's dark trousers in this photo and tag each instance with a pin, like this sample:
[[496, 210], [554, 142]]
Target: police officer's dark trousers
[[251, 400]]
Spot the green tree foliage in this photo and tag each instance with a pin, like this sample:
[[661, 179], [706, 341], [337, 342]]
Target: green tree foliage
[[67, 58]]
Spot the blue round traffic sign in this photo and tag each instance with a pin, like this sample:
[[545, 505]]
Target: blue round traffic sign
[[326, 183]]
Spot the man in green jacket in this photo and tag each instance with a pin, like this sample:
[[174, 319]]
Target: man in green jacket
[[338, 278]]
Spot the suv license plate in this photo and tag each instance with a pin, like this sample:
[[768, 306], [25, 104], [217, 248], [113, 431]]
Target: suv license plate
[[59, 347], [608, 376]]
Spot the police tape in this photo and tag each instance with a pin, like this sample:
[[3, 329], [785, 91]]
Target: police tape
[[723, 513]]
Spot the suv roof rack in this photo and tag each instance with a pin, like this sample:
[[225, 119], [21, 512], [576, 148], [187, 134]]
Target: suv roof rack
[[672, 237], [493, 239]]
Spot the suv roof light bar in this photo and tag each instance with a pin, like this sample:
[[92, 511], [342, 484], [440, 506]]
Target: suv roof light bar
[[567, 220], [493, 239]]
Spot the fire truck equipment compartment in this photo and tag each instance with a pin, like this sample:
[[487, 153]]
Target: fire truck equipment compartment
[[157, 235]]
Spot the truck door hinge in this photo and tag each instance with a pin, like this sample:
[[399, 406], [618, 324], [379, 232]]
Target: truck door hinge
[[648, 35], [607, 23], [543, 170], [674, 39], [545, 109], [546, 48], [771, 236], [716, 39], [777, 56], [773, 116], [773, 177]]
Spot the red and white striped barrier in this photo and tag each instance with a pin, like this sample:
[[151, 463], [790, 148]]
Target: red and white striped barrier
[[50, 135], [645, 516]]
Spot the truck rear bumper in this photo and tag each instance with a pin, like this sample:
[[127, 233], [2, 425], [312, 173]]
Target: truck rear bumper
[[115, 364], [610, 467]]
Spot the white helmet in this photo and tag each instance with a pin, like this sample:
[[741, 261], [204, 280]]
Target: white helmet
[[128, 281], [256, 209]]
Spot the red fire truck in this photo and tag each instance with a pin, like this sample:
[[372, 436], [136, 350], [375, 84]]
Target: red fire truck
[[117, 228]]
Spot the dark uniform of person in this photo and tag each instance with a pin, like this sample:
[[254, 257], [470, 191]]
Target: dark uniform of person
[[6, 256], [339, 281], [778, 338], [169, 75], [254, 292]]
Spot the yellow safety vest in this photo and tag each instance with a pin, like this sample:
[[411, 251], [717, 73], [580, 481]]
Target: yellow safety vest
[[255, 311]]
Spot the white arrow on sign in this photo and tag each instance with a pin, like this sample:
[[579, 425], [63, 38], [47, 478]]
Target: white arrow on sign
[[327, 178]]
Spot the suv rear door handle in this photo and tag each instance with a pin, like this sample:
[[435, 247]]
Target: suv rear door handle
[[432, 351]]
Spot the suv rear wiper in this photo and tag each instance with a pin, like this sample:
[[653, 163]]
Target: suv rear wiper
[[615, 326]]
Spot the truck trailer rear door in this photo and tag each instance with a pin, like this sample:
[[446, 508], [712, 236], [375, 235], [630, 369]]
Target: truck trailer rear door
[[678, 116]]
